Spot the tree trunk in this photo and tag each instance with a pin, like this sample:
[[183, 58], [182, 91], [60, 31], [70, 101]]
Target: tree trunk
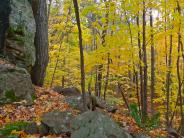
[[107, 75], [178, 70], [152, 63], [49, 8], [81, 52], [140, 63], [168, 80], [41, 41], [144, 109]]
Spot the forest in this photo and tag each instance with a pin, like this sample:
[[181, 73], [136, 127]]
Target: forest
[[92, 69]]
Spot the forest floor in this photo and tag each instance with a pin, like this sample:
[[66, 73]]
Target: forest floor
[[48, 100]]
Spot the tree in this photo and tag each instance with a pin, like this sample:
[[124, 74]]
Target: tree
[[75, 3], [144, 110], [41, 41], [152, 62]]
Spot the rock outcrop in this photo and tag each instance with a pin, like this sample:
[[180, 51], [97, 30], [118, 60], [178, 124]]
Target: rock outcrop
[[77, 103], [96, 125], [19, 47], [15, 84], [70, 91], [17, 32]]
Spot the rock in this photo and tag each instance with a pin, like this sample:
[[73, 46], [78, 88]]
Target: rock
[[58, 89], [93, 124], [32, 128], [4, 23], [20, 48], [140, 136], [15, 84], [43, 130], [77, 103], [70, 91], [57, 122], [173, 132]]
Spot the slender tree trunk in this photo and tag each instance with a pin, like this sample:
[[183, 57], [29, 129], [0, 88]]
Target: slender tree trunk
[[60, 46], [103, 41], [57, 60], [123, 96], [168, 81], [178, 70], [81, 52], [152, 63], [144, 110], [107, 75], [41, 41], [49, 8], [140, 63]]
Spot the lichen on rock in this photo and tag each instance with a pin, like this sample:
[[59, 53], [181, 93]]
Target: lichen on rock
[[15, 84], [20, 48]]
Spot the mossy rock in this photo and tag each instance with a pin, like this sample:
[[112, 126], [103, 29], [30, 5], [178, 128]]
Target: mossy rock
[[20, 39], [93, 124], [15, 85]]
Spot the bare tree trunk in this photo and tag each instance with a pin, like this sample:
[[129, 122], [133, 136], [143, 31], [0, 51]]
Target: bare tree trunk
[[49, 7], [103, 37], [123, 96], [81, 52], [107, 75], [140, 63], [41, 41], [152, 63], [168, 80], [144, 109], [178, 70]]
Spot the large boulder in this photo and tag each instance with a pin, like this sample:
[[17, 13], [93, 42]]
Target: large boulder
[[55, 122], [19, 47], [15, 84], [94, 124], [70, 91]]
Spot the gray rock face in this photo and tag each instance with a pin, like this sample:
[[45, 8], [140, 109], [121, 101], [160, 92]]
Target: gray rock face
[[96, 125], [140, 136], [70, 91], [15, 84], [57, 122], [32, 128], [20, 35], [77, 103]]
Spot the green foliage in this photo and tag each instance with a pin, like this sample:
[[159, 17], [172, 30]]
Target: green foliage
[[135, 114], [33, 97], [5, 132], [150, 123]]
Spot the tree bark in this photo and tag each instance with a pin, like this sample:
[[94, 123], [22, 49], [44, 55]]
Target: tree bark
[[178, 70], [41, 42], [152, 63], [140, 62], [107, 75], [81, 52], [144, 109]]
